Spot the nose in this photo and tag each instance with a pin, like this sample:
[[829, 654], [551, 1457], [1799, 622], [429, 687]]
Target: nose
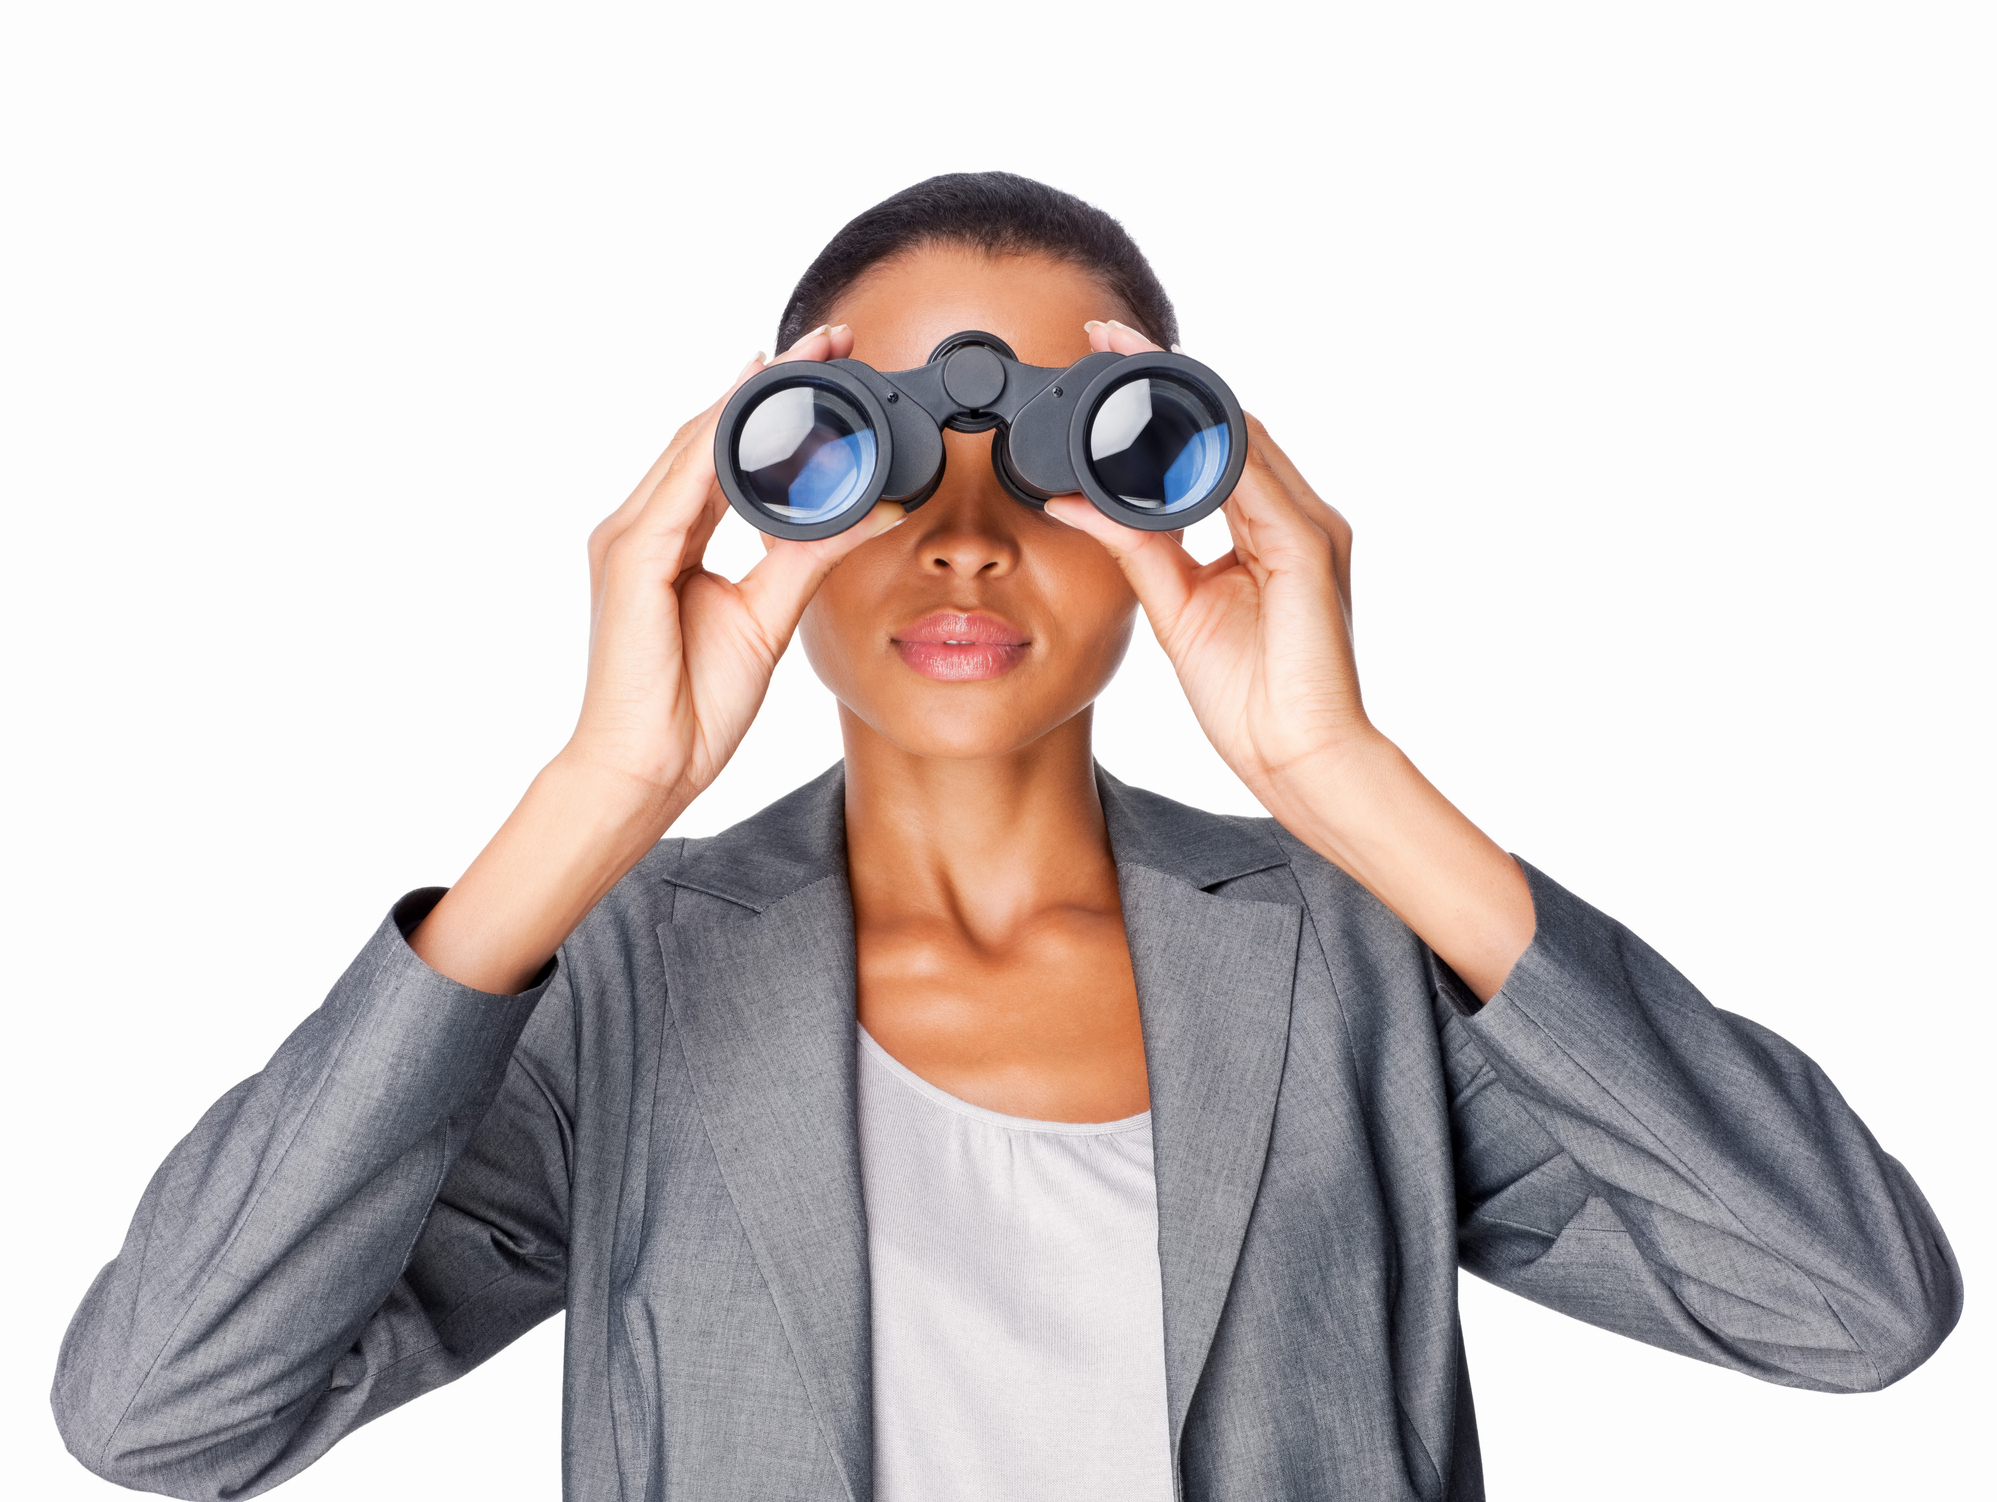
[[968, 528]]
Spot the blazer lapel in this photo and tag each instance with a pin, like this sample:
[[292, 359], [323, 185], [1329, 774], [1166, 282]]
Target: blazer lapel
[[760, 983], [762, 994], [1214, 982]]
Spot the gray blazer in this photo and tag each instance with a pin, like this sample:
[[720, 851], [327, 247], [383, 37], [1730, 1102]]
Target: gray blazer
[[660, 1139]]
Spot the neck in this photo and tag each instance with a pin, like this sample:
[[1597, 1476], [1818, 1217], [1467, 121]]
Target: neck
[[984, 844]]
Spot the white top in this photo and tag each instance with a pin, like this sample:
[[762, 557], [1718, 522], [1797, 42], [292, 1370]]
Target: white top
[[1018, 1319]]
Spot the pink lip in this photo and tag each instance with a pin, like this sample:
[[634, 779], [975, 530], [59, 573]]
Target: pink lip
[[958, 648]]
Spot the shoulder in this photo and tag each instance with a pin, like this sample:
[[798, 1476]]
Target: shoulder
[[1357, 958], [794, 842], [1191, 844], [1248, 859], [1229, 854], [800, 840]]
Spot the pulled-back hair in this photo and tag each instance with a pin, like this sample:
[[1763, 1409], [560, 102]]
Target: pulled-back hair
[[999, 213]]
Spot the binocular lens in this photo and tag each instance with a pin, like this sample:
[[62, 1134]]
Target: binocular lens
[[1154, 440], [805, 453], [1158, 444]]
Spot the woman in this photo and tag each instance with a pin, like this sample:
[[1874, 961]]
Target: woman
[[1148, 1166]]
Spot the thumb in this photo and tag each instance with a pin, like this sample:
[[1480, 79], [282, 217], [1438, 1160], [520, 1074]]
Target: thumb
[[1159, 570], [782, 583]]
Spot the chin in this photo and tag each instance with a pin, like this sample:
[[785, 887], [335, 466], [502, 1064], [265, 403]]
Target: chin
[[964, 731]]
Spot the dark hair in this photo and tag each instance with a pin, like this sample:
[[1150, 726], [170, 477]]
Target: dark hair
[[999, 213]]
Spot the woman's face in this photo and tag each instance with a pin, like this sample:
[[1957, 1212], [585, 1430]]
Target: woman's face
[[979, 624]]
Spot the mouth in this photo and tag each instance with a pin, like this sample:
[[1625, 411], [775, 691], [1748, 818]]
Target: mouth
[[956, 648]]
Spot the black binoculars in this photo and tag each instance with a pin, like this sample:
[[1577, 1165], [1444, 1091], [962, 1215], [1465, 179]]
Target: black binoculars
[[806, 448]]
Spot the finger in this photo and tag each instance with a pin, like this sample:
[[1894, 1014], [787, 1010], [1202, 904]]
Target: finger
[[1229, 559], [1277, 539], [1159, 569], [689, 429], [678, 504], [693, 551], [613, 526], [1270, 528], [829, 341], [671, 529], [783, 581], [1319, 510], [1329, 519], [1112, 335], [826, 342]]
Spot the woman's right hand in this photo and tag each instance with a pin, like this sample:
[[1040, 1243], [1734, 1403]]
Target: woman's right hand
[[679, 661], [680, 658]]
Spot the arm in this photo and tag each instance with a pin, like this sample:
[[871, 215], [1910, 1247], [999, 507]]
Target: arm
[[1625, 1151], [1629, 1154], [679, 661], [1261, 639], [379, 1209], [385, 1204]]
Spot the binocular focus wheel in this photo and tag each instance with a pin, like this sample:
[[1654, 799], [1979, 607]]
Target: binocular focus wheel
[[956, 342]]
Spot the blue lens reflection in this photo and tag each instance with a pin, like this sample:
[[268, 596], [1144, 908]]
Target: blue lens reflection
[[1158, 445], [1197, 469], [806, 453], [833, 477]]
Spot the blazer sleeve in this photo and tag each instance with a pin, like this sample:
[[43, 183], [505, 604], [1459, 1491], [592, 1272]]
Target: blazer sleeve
[[378, 1210], [1629, 1154]]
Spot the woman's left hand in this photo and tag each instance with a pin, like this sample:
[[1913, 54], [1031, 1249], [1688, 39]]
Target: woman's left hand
[[1261, 639]]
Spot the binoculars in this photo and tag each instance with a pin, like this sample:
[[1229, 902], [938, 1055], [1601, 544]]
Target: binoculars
[[805, 449]]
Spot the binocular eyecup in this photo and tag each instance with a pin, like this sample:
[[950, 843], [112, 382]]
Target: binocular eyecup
[[805, 449]]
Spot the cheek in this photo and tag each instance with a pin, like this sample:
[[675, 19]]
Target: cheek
[[839, 621], [818, 633], [1101, 643], [1117, 632], [1093, 602]]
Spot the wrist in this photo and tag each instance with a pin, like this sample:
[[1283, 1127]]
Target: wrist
[[1333, 798], [610, 799], [1368, 810], [578, 830]]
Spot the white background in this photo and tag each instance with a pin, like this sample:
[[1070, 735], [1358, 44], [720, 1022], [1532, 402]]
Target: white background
[[1648, 348]]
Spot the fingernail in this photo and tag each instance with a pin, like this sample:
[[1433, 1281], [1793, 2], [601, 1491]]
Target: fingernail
[[1093, 324], [754, 360], [1178, 349], [838, 328], [1117, 324]]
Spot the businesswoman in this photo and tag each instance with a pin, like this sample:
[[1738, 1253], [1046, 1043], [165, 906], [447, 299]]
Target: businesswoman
[[969, 1124]]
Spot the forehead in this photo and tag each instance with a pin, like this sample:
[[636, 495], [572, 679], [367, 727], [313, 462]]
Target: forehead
[[901, 310]]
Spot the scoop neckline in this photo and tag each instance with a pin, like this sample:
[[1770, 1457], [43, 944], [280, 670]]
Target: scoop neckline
[[938, 1096]]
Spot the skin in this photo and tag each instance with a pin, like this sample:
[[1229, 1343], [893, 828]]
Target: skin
[[990, 944], [988, 930]]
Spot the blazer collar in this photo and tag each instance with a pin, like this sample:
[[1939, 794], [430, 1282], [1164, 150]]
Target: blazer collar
[[801, 838], [765, 1004], [762, 995]]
